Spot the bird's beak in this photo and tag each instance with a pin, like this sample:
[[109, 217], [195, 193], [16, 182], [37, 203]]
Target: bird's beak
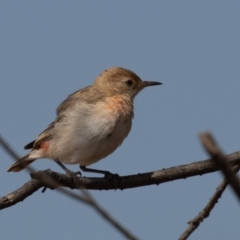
[[150, 83]]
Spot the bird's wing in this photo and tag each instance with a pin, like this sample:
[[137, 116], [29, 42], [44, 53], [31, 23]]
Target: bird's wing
[[47, 134], [71, 100]]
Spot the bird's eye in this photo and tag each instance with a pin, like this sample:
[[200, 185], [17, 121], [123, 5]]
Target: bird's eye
[[129, 83]]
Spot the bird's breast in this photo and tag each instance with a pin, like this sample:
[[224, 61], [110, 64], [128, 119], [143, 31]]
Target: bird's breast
[[111, 118]]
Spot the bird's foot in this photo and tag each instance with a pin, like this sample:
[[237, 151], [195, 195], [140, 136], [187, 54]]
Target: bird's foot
[[67, 171], [72, 173], [113, 177]]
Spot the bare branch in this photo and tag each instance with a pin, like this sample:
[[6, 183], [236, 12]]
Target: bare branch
[[195, 222], [214, 151], [20, 194], [52, 179], [137, 180], [211, 147]]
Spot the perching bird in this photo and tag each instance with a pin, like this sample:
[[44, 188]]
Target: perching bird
[[90, 124]]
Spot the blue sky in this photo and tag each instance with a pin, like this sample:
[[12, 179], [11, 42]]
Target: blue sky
[[49, 49]]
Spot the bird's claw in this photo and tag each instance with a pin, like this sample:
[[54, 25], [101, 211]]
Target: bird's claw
[[73, 174]]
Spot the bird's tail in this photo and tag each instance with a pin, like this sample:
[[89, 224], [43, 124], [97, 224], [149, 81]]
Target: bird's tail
[[21, 164]]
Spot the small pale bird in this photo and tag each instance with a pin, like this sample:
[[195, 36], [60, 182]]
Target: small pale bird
[[90, 124]]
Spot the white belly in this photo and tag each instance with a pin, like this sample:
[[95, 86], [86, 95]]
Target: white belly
[[100, 146], [86, 138]]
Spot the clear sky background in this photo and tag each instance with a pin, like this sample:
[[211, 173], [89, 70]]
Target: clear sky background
[[49, 49]]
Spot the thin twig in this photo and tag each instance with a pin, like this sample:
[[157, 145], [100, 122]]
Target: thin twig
[[211, 147], [195, 222], [103, 213]]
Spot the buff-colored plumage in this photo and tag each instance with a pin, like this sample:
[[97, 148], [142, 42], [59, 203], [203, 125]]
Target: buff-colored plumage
[[91, 123]]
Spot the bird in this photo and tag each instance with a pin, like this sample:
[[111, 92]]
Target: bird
[[90, 123]]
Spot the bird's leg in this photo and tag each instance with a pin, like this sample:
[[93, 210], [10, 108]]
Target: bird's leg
[[84, 169], [67, 171], [107, 174]]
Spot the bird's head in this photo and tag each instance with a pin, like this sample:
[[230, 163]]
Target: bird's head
[[118, 80]]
